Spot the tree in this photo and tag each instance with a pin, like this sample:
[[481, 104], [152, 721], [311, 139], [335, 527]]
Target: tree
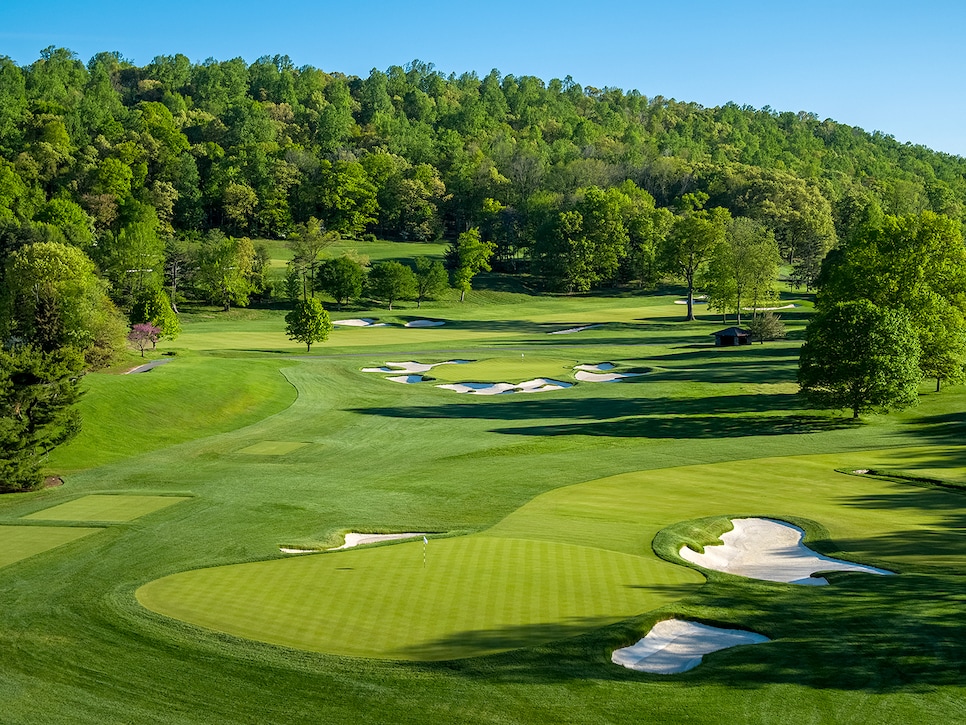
[[767, 326], [467, 257], [155, 308], [431, 279], [142, 334], [860, 357], [51, 299], [343, 278], [37, 395], [689, 245], [916, 263], [308, 242], [391, 281], [308, 322], [743, 267], [224, 267]]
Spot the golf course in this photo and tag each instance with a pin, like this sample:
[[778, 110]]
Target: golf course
[[185, 571]]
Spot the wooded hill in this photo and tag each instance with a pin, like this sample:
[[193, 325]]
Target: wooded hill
[[106, 154]]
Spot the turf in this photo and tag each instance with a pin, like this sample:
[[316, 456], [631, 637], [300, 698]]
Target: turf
[[476, 595], [697, 439], [272, 448], [19, 542], [106, 508]]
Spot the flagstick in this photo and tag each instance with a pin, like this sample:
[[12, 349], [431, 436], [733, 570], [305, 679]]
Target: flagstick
[[425, 543]]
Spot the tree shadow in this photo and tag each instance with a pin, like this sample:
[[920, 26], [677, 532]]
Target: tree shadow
[[862, 633], [598, 408]]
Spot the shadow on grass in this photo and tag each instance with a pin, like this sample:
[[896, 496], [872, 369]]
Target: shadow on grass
[[690, 427], [719, 417], [862, 633], [520, 407]]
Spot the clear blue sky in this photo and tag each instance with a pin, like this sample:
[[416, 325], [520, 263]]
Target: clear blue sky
[[896, 67]]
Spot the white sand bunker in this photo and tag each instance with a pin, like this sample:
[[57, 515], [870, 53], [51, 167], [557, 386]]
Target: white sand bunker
[[407, 379], [354, 539], [572, 330], [771, 551], [674, 646], [411, 366], [538, 385], [293, 550], [360, 322], [425, 323], [597, 374], [770, 309], [695, 301]]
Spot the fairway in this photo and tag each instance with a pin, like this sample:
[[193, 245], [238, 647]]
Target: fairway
[[272, 448], [19, 542], [106, 508]]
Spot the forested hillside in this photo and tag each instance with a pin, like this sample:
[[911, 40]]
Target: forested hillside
[[107, 151]]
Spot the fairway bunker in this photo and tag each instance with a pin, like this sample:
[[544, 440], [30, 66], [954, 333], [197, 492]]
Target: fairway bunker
[[538, 385], [771, 551], [412, 367], [360, 322], [572, 330], [674, 645], [599, 373], [425, 323], [356, 539]]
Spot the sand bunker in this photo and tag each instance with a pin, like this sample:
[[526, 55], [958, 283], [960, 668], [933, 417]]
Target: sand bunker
[[771, 551], [292, 550], [597, 374], [572, 330], [408, 379], [674, 646], [360, 322], [770, 309], [412, 367], [425, 323], [538, 385], [354, 539], [695, 301]]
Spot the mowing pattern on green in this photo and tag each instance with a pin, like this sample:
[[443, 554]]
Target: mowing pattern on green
[[272, 448], [477, 595], [19, 542], [106, 508]]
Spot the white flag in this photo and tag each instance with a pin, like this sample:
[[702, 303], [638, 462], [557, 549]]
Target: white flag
[[425, 540]]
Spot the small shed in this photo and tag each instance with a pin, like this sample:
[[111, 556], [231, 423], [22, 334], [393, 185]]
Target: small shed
[[731, 337]]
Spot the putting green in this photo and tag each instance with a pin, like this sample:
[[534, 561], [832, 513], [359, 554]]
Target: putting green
[[477, 595], [272, 448], [19, 542], [110, 507], [506, 369]]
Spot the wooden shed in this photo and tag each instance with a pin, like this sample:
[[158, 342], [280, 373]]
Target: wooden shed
[[731, 337]]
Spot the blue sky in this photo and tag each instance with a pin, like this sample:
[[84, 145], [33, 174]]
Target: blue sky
[[896, 67]]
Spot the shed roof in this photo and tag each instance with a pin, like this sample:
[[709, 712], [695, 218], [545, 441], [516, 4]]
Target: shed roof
[[732, 332]]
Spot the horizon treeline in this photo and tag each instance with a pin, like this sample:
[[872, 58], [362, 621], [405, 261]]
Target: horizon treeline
[[104, 154]]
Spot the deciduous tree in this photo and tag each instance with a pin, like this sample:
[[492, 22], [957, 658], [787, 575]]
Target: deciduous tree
[[308, 322], [860, 357]]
